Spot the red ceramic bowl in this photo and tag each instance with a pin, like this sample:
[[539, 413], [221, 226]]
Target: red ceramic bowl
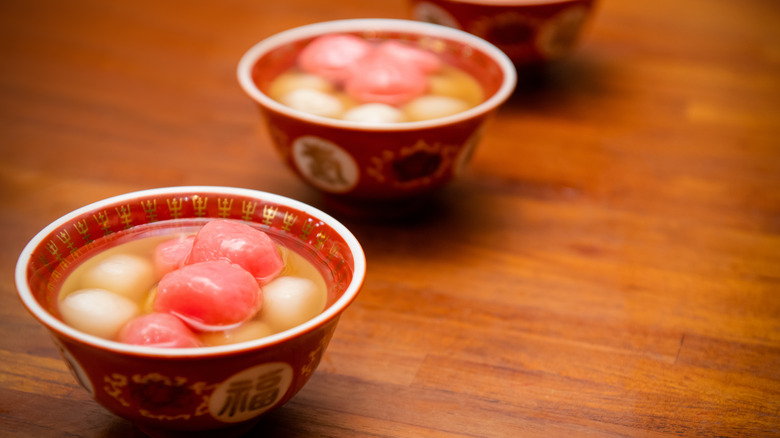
[[223, 389], [364, 163], [531, 32]]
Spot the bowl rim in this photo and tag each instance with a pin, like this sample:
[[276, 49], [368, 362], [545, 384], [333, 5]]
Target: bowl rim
[[250, 57], [24, 291]]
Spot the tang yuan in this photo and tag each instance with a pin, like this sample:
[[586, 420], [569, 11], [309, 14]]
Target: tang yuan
[[333, 57], [192, 286], [313, 101], [384, 79], [123, 274], [291, 301], [238, 243], [209, 296], [371, 80], [458, 84], [170, 255], [374, 113], [403, 53], [97, 312], [290, 81], [253, 329], [158, 330], [438, 106]]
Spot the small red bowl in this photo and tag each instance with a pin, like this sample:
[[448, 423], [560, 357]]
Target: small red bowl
[[361, 164], [223, 389], [531, 32]]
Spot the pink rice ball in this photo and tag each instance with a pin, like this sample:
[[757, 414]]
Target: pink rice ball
[[332, 56], [161, 330], [424, 60], [209, 296], [382, 79], [237, 243], [171, 254]]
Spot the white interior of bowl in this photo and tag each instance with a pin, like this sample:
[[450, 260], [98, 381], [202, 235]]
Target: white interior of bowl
[[247, 63], [53, 323]]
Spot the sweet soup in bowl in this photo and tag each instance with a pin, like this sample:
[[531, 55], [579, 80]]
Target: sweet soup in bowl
[[190, 309], [375, 81], [208, 283], [374, 111]]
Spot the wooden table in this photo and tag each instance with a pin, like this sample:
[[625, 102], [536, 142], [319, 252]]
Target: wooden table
[[609, 265]]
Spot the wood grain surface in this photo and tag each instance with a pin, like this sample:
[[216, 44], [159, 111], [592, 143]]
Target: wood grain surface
[[608, 266]]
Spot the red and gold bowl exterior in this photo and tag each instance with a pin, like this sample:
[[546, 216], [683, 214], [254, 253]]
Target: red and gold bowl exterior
[[358, 162], [530, 32], [191, 389]]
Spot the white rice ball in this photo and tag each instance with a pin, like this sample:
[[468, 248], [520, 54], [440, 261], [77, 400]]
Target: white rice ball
[[433, 107], [313, 102], [124, 274], [247, 331], [97, 311], [290, 301], [290, 81], [374, 113]]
